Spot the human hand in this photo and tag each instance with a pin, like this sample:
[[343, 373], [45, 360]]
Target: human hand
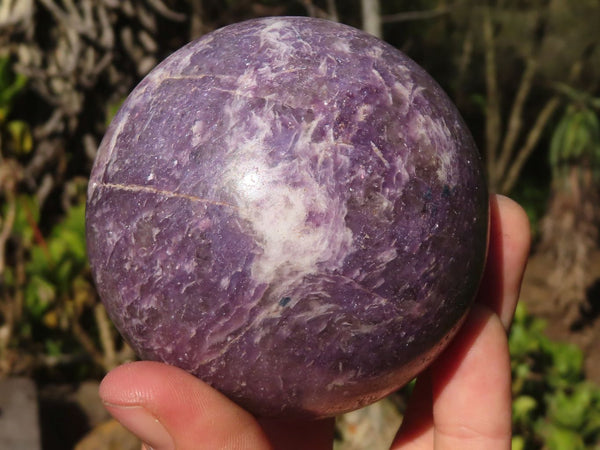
[[462, 401]]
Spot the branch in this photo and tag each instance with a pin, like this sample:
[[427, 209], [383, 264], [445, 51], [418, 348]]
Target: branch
[[197, 26], [532, 139], [87, 343], [515, 121], [492, 107], [164, 11], [106, 337], [535, 133], [415, 15], [332, 11], [371, 17], [314, 11], [7, 225]]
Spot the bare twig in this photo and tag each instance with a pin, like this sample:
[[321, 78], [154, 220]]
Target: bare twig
[[164, 11], [106, 336], [332, 11], [408, 16], [87, 343], [314, 11], [7, 223], [492, 106], [371, 17], [535, 133], [465, 55], [515, 120], [532, 139], [197, 27], [13, 12]]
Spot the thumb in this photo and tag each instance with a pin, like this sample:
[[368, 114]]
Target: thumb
[[167, 408]]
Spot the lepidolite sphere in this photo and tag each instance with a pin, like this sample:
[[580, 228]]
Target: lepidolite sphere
[[293, 211]]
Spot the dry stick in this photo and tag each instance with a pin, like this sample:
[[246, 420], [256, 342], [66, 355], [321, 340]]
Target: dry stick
[[492, 107], [415, 15], [332, 11], [535, 133], [8, 304], [7, 226], [515, 121], [532, 139], [197, 26], [164, 11], [87, 343], [106, 336], [371, 17], [465, 55], [311, 9], [314, 11], [71, 21]]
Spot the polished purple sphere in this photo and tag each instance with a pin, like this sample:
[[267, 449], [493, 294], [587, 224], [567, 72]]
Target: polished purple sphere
[[293, 211]]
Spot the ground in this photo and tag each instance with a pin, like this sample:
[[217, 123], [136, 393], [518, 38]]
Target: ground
[[537, 295]]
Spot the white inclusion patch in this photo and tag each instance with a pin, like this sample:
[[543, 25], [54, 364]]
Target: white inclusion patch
[[375, 52], [277, 38], [246, 81], [278, 212], [431, 132], [342, 45], [363, 111], [197, 133], [403, 91]]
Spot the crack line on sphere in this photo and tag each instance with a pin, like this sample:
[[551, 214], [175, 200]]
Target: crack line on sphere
[[151, 190], [362, 288]]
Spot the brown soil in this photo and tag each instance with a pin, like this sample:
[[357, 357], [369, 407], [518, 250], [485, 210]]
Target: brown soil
[[585, 333]]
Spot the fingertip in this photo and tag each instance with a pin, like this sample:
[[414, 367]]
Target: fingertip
[[145, 396], [514, 221], [472, 386], [118, 386], [510, 241]]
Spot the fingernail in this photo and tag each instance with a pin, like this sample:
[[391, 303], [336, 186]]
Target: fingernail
[[144, 425]]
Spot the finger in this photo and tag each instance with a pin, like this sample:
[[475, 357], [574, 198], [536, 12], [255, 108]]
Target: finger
[[510, 239], [167, 408], [416, 431], [469, 386], [472, 387], [507, 256], [300, 435]]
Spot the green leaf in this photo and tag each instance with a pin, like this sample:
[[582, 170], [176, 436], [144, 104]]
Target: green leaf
[[27, 214], [576, 139], [570, 410], [11, 84], [40, 295], [20, 137], [558, 438], [567, 367], [523, 408], [53, 347], [591, 430], [518, 443]]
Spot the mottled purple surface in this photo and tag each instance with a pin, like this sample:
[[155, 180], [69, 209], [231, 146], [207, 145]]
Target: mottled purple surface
[[291, 210]]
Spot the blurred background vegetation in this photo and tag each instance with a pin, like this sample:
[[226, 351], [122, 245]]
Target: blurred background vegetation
[[524, 73]]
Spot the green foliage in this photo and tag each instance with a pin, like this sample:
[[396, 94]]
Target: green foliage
[[15, 134], [576, 139], [56, 263], [554, 407], [10, 86], [57, 289]]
